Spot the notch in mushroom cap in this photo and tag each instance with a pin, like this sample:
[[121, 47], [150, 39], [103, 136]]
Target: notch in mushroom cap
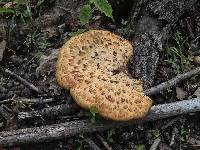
[[87, 67]]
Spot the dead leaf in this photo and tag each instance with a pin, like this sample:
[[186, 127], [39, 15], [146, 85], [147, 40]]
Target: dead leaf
[[196, 60], [197, 92], [46, 72], [180, 93], [47, 64]]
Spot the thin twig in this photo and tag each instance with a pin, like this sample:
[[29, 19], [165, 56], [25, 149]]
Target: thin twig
[[174, 132], [62, 130], [172, 82], [50, 112], [171, 122], [34, 101], [92, 144], [103, 142], [23, 81], [155, 144]]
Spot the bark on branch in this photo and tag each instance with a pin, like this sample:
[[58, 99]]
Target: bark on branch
[[58, 131], [151, 22], [51, 112], [172, 82]]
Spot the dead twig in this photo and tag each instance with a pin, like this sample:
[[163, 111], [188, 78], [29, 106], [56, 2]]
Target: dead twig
[[34, 101], [172, 82], [171, 122], [174, 132], [23, 81], [103, 142], [155, 144], [50, 112], [58, 131]]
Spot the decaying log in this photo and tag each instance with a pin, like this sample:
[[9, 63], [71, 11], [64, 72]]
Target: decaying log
[[58, 131], [151, 22]]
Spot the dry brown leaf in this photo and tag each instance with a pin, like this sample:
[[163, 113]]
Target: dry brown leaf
[[197, 92], [180, 93]]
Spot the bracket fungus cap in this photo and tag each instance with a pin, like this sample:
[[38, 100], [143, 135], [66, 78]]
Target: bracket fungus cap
[[91, 65]]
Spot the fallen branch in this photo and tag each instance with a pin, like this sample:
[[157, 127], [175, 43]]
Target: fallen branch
[[50, 112], [33, 101], [172, 82], [23, 81], [58, 131]]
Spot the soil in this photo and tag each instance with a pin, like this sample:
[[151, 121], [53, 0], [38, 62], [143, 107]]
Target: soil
[[29, 59]]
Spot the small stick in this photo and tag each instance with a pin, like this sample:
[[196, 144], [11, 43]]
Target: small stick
[[156, 89], [172, 121], [92, 144], [155, 144], [173, 136], [50, 112], [34, 101], [62, 130], [23, 81], [103, 142]]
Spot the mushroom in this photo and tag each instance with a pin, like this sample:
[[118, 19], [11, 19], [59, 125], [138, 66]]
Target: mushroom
[[92, 66]]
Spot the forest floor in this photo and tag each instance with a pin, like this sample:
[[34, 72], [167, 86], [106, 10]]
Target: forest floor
[[27, 47]]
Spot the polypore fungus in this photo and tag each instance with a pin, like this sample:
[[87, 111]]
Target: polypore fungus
[[92, 66]]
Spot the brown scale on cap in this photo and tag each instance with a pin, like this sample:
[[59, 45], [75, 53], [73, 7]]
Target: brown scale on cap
[[91, 64]]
